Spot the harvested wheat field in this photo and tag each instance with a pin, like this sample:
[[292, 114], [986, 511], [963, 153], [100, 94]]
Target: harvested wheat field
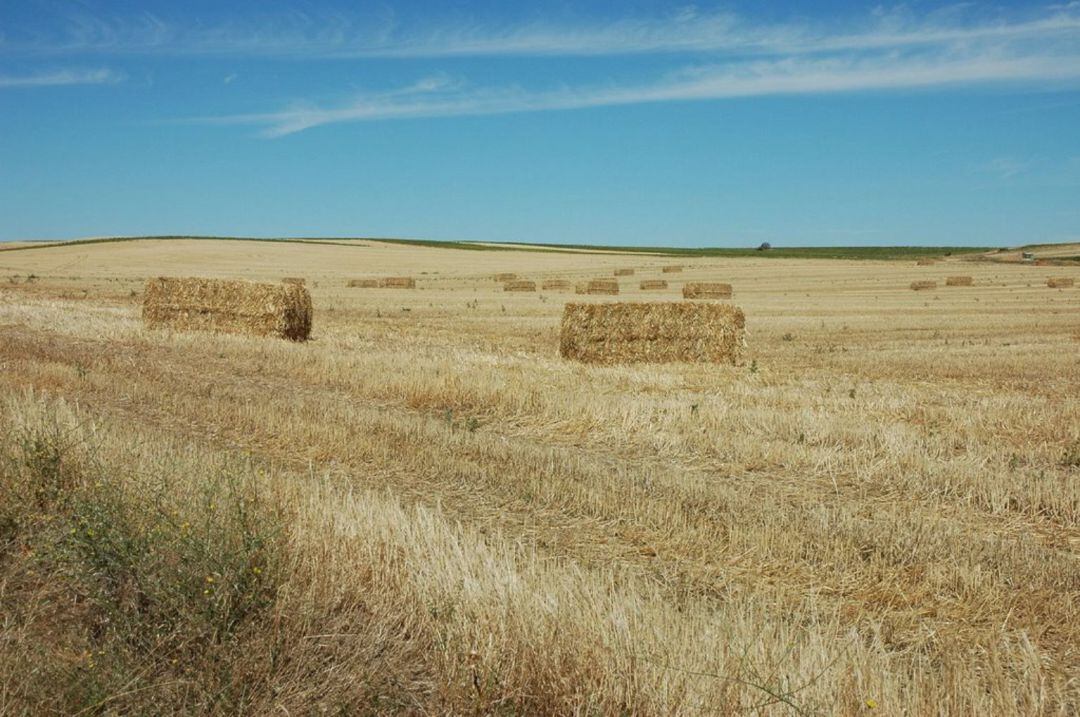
[[426, 509]]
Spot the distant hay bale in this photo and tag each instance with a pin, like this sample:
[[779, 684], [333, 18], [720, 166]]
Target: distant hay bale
[[556, 285], [959, 281], [298, 280], [235, 307], [706, 290], [363, 283], [624, 272], [925, 262], [608, 287], [923, 285], [672, 269], [397, 282], [506, 277], [1060, 282], [519, 285], [660, 332], [651, 284]]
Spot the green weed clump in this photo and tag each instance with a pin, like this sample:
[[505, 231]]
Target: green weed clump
[[116, 587]]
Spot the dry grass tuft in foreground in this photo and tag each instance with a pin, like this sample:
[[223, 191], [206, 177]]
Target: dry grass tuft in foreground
[[959, 281], [237, 307], [706, 290], [652, 333], [923, 285]]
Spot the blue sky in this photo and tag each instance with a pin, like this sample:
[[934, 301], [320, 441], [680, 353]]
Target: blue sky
[[628, 122]]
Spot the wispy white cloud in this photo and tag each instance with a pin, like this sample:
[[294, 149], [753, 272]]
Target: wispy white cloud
[[321, 35], [1006, 167], [60, 77], [752, 78]]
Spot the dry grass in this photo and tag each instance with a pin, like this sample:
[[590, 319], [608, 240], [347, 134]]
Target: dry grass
[[706, 290], [880, 503], [923, 285]]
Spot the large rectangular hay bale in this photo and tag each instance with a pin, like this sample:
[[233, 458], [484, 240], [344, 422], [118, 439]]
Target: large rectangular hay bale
[[519, 285], [1060, 282], [363, 283], [706, 290], [660, 332], [235, 307], [959, 281], [602, 286], [556, 285], [923, 285], [397, 282], [674, 269], [624, 272], [506, 276], [652, 284]]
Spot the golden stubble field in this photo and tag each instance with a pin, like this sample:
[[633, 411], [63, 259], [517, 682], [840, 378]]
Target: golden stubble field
[[877, 511]]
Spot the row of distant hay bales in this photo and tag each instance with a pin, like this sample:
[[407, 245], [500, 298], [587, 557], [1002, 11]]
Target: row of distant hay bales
[[924, 285], [388, 282], [610, 287]]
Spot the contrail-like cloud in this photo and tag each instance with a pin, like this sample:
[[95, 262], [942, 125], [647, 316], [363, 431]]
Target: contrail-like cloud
[[758, 78]]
